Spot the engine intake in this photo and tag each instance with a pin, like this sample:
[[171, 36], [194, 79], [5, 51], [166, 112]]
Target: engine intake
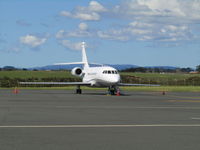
[[77, 71]]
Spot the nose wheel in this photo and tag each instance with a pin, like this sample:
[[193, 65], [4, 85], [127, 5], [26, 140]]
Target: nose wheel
[[113, 90]]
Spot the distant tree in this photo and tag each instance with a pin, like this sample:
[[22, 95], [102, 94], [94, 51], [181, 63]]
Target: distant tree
[[139, 69], [9, 68], [198, 68], [186, 70]]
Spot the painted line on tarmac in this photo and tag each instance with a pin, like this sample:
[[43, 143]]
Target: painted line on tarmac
[[123, 107], [187, 97], [102, 107], [195, 118], [100, 126], [187, 101]]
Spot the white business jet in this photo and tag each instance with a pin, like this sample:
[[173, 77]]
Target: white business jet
[[100, 76]]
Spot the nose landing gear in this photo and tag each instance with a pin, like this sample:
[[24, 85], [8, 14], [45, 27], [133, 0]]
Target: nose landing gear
[[113, 90]]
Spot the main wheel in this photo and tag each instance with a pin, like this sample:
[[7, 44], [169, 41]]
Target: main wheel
[[78, 91], [112, 92]]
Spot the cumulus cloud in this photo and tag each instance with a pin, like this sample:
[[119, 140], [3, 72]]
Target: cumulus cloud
[[145, 20], [113, 34], [132, 31], [159, 10], [83, 26], [32, 40], [138, 24], [154, 20], [175, 33], [95, 6], [88, 16], [70, 45], [157, 33], [82, 31], [89, 13]]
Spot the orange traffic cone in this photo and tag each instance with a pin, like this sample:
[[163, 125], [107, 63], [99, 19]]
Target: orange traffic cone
[[16, 90], [118, 93]]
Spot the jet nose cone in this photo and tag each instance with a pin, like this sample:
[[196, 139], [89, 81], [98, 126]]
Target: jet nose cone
[[116, 79]]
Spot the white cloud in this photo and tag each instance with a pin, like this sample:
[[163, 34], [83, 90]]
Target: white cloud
[[138, 24], [70, 45], [149, 20], [65, 13], [32, 40], [162, 7], [159, 10], [83, 26], [96, 7], [87, 16], [82, 31], [157, 33], [132, 31], [145, 38], [60, 34], [112, 35], [77, 33], [89, 13], [139, 31], [175, 33]]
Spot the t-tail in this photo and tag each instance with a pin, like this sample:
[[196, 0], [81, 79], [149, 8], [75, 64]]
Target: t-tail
[[84, 59], [84, 56]]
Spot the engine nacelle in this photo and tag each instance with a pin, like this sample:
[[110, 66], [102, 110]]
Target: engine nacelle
[[77, 72]]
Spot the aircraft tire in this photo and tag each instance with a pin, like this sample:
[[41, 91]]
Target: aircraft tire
[[78, 91]]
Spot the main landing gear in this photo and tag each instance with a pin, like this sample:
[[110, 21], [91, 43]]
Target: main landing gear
[[78, 90], [113, 90]]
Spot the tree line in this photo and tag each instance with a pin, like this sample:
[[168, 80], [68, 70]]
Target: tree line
[[158, 70]]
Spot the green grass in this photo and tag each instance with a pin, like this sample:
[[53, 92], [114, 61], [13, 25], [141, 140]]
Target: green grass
[[170, 76], [35, 74]]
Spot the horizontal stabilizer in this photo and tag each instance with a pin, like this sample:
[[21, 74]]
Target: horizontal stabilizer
[[71, 63], [77, 63]]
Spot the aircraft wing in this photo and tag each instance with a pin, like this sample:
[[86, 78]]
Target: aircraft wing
[[127, 84], [56, 83]]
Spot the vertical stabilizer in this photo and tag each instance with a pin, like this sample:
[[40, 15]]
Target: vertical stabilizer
[[84, 56]]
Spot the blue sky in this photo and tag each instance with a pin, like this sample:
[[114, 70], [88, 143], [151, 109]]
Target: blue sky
[[140, 32]]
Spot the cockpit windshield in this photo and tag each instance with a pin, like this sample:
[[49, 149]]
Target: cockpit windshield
[[110, 72]]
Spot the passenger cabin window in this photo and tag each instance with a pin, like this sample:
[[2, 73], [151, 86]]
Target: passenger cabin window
[[110, 72]]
